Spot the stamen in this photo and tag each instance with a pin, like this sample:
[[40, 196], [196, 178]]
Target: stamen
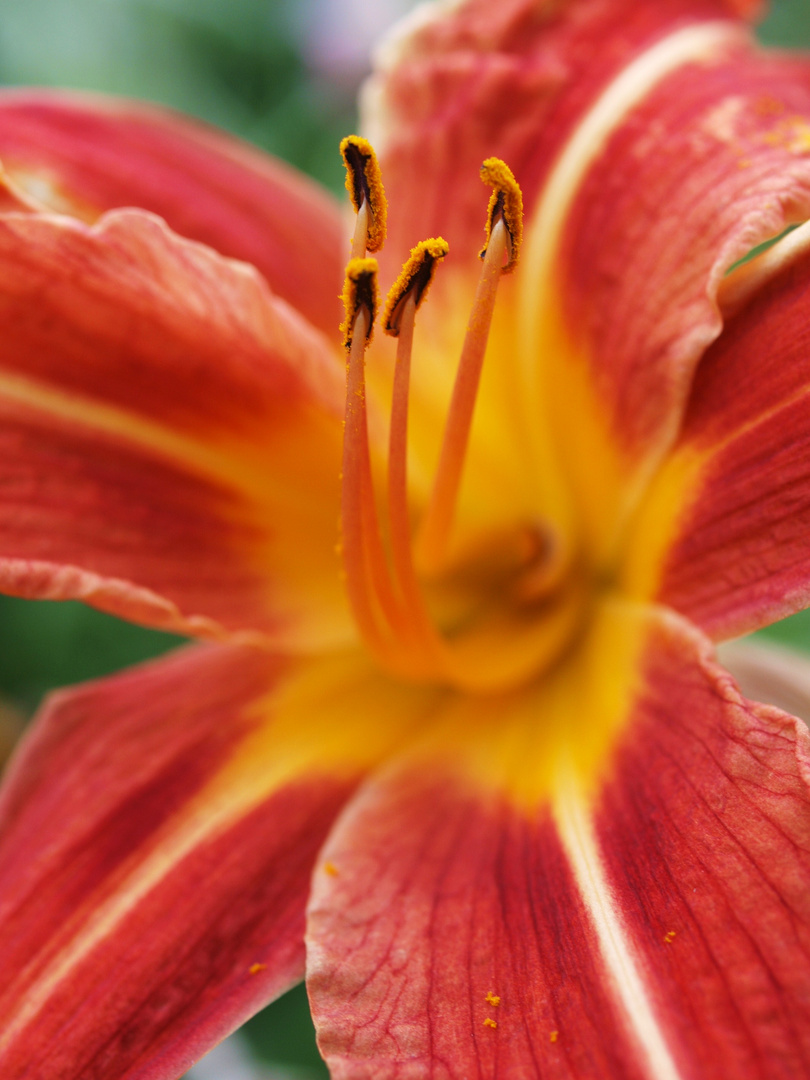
[[367, 578], [404, 298], [504, 232], [390, 608], [365, 188]]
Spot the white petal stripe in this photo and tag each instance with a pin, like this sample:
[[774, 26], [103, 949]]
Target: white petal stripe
[[572, 813]]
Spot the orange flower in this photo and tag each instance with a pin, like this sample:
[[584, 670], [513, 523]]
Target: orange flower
[[458, 721]]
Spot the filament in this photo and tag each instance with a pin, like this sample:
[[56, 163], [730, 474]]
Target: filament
[[368, 582], [438, 520]]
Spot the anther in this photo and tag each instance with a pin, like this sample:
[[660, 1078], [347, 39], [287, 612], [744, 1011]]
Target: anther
[[359, 292], [414, 280], [365, 188], [506, 205]]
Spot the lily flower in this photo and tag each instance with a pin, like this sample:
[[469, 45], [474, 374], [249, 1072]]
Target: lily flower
[[455, 741]]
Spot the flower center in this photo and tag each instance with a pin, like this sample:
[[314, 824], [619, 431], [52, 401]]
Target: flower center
[[522, 624]]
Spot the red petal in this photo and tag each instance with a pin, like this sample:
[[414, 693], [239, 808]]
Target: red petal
[[723, 534], [655, 148], [705, 829], [651, 919], [86, 517], [457, 84], [158, 835], [85, 154], [444, 901], [161, 415], [109, 776]]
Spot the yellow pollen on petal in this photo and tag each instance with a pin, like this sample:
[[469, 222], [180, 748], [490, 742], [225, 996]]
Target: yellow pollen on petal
[[365, 187], [330, 869], [791, 134], [669, 935], [359, 292], [769, 106], [414, 280], [256, 968], [553, 1036], [490, 1023], [505, 204], [493, 999]]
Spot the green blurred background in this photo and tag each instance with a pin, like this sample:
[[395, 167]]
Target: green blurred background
[[283, 74]]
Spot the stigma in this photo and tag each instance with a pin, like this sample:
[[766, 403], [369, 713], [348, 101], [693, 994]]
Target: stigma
[[391, 564]]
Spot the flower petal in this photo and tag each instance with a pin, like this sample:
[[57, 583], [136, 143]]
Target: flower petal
[[722, 535], [158, 835], [170, 434], [605, 879], [83, 154], [706, 833], [655, 148]]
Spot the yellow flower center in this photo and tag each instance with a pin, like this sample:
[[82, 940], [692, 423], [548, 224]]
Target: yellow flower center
[[523, 603]]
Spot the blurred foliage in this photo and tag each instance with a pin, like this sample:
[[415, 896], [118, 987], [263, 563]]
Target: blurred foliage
[[234, 63], [284, 1034], [238, 64], [787, 24], [794, 631], [44, 645]]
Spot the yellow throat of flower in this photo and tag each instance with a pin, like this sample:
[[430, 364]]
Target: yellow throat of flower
[[526, 620]]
